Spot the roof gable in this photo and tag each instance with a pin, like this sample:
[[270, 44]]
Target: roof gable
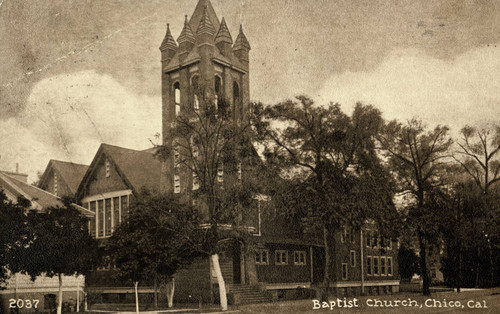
[[70, 173], [137, 169]]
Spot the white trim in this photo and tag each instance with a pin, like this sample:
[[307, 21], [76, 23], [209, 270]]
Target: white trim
[[374, 283], [193, 69], [106, 195]]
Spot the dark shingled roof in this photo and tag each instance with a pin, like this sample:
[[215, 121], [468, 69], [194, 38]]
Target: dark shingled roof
[[70, 172], [195, 20], [138, 168], [223, 35], [40, 199], [168, 41], [241, 42]]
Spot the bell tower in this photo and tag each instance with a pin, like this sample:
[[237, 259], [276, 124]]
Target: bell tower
[[204, 52]]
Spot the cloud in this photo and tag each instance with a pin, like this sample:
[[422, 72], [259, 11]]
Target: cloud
[[409, 83], [69, 116]]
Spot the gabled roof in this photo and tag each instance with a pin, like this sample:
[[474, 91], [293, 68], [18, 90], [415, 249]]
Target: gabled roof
[[196, 18], [40, 199], [69, 172], [175, 63], [138, 169]]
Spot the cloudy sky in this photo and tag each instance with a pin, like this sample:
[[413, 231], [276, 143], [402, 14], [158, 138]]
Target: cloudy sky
[[76, 73]]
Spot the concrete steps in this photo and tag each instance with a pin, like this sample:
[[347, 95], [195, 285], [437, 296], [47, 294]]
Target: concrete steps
[[244, 294]]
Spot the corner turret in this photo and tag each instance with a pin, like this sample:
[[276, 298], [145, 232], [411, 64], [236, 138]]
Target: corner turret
[[186, 39], [223, 40], [242, 47], [168, 47]]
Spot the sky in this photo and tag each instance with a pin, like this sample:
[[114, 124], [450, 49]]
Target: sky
[[77, 73]]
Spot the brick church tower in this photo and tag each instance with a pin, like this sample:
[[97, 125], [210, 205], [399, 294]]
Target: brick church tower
[[204, 52]]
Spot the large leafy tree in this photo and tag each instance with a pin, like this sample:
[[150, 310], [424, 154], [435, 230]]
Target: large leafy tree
[[208, 144], [60, 245], [333, 174], [159, 237], [478, 155], [13, 233], [418, 158]]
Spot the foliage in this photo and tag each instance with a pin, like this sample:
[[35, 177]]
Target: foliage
[[159, 237], [60, 244], [408, 262], [332, 174], [13, 233], [418, 159]]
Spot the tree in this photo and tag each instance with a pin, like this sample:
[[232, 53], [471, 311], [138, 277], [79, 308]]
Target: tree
[[330, 162], [13, 233], [418, 157], [159, 237], [208, 145], [478, 155], [60, 245]]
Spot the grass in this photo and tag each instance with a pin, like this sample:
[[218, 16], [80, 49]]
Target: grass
[[490, 297]]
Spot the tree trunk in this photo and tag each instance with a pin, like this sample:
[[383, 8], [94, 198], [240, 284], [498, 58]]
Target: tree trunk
[[476, 284], [60, 295], [326, 278], [459, 270], [423, 266], [490, 256], [220, 281], [136, 283], [155, 289], [170, 292]]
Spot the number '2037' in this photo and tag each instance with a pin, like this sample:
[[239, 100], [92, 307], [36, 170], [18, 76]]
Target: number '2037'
[[21, 303]]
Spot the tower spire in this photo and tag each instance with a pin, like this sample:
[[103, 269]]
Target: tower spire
[[168, 41], [186, 35], [206, 27], [241, 42], [223, 35]]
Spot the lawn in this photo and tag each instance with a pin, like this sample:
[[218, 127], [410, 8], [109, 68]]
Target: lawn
[[446, 302]]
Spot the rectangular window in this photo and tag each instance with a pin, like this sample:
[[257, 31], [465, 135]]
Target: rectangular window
[[281, 257], [389, 266], [389, 244], [116, 212], [220, 174], [100, 219], [369, 265], [353, 258], [351, 234], [299, 258], [55, 183], [375, 265], [375, 240], [92, 220], [382, 266], [107, 206], [262, 257], [108, 168], [368, 238], [196, 182], [124, 207], [177, 184], [239, 171], [344, 271]]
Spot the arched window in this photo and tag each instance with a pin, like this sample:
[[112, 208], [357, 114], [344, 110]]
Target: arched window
[[177, 98], [236, 97], [217, 89], [195, 87]]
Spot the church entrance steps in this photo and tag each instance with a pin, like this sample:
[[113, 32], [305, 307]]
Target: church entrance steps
[[245, 294]]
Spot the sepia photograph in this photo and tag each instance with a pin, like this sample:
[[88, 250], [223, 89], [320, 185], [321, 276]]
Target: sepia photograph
[[250, 156]]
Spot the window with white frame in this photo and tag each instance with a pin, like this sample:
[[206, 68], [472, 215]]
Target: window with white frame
[[353, 258], [108, 168], [177, 178], [382, 266], [344, 271], [299, 258], [368, 238], [369, 265], [56, 184], [262, 257], [196, 182], [389, 266], [375, 265], [281, 257], [177, 98], [220, 173], [109, 213]]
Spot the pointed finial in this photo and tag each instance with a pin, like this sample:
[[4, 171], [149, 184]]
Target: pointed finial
[[168, 41], [223, 35], [241, 41], [206, 26]]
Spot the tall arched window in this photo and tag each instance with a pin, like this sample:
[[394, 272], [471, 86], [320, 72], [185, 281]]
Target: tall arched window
[[195, 87], [177, 98], [236, 97], [217, 89]]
